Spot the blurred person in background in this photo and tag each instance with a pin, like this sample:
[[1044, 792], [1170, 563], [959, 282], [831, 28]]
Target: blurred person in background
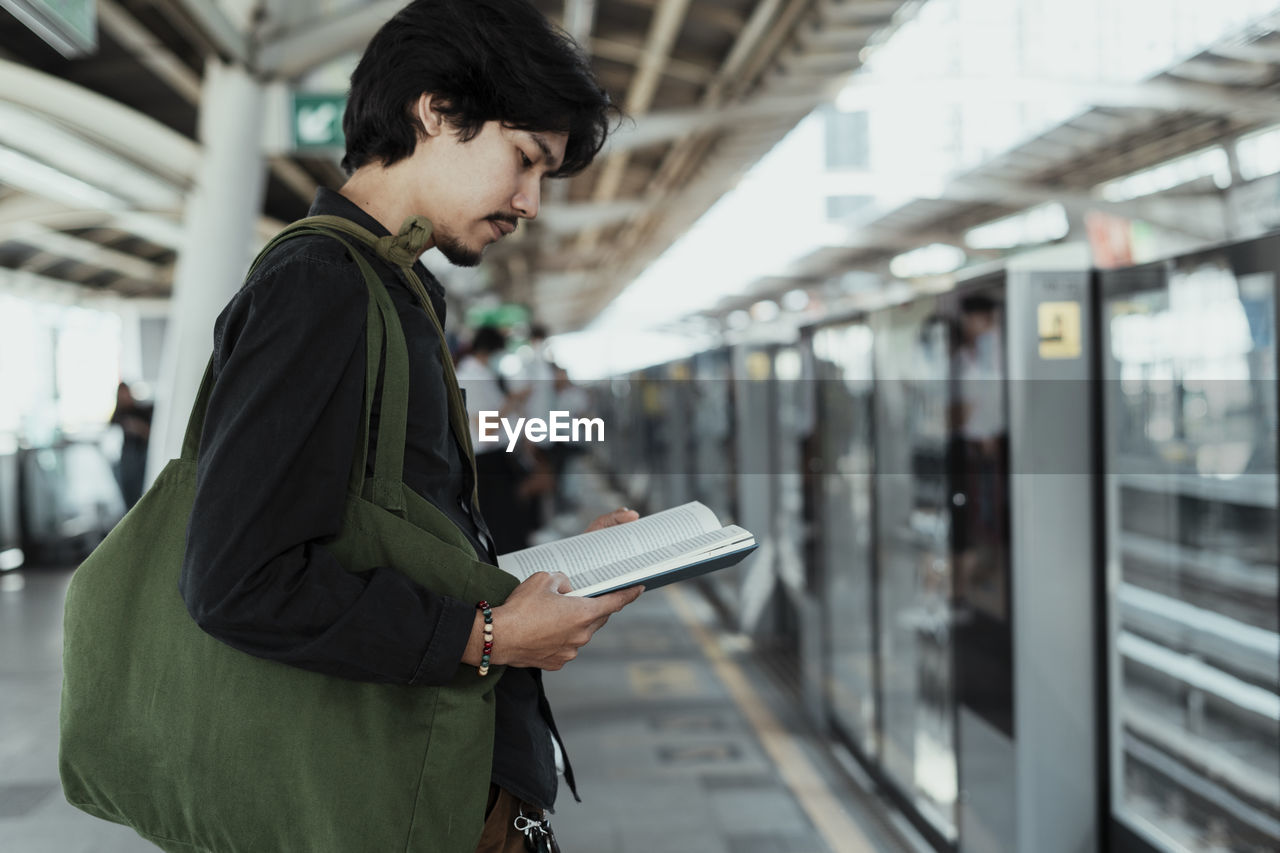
[[566, 397], [536, 380], [503, 500], [134, 420]]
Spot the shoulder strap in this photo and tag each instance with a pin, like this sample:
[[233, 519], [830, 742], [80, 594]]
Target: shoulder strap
[[395, 378], [383, 326], [401, 251]]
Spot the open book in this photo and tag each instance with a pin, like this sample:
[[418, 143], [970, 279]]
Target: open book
[[677, 543]]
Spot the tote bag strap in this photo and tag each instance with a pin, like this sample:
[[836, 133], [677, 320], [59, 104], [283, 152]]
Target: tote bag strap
[[415, 231], [382, 325], [384, 487]]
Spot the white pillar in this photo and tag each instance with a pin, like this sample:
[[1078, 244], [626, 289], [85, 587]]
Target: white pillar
[[220, 217]]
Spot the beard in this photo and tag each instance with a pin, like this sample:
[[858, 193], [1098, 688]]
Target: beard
[[456, 252]]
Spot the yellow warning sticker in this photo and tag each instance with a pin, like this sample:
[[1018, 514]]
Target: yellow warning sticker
[[1059, 330]]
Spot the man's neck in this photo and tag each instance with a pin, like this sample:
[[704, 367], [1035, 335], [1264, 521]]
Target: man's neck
[[377, 191]]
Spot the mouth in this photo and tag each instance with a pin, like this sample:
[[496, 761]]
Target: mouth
[[501, 228]]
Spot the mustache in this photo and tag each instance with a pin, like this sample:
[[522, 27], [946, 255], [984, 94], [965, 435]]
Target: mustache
[[513, 221]]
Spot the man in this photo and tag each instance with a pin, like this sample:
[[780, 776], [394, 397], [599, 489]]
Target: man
[[457, 111]]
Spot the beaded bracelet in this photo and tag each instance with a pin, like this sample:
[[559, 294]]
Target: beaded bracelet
[[485, 609]]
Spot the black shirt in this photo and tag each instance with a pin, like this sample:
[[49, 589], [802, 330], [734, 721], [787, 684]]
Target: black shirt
[[275, 455]]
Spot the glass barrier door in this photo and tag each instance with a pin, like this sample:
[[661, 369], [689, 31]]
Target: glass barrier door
[[713, 434], [1189, 361], [840, 475], [918, 745], [978, 464]]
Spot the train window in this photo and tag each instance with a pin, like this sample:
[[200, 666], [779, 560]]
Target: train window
[[1189, 356]]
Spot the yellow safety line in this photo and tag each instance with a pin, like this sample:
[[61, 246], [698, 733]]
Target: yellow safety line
[[841, 832]]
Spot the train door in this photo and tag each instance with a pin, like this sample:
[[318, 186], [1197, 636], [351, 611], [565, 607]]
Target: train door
[[944, 646], [646, 466], [799, 610], [840, 471], [747, 591], [713, 437], [981, 613], [678, 438], [1191, 641], [913, 555], [11, 554]]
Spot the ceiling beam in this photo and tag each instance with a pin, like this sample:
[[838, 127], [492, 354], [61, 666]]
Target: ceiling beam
[[1267, 53], [769, 23], [123, 130], [571, 218], [153, 54], [663, 30], [1163, 212], [228, 39], [149, 50], [710, 14], [629, 53], [1163, 95], [826, 37], [1225, 73], [84, 251], [858, 11], [660, 127], [297, 52]]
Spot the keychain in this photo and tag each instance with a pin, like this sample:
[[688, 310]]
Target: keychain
[[538, 837]]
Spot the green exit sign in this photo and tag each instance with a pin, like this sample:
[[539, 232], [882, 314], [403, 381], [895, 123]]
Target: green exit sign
[[317, 121], [70, 26]]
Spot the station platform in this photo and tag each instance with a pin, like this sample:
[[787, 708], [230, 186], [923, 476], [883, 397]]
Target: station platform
[[679, 742], [681, 745]]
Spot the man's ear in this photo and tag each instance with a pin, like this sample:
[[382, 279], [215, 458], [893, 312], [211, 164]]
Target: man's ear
[[430, 119]]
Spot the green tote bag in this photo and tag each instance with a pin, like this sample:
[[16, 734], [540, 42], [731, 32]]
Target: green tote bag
[[205, 749]]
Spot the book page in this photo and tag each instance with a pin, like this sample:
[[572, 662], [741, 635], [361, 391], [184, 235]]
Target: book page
[[601, 547], [693, 550]]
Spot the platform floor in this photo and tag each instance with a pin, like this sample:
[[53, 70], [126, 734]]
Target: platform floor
[[680, 743]]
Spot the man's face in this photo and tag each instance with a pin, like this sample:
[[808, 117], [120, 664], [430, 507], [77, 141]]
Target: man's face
[[475, 192]]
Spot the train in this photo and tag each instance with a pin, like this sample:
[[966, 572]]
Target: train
[[1019, 541]]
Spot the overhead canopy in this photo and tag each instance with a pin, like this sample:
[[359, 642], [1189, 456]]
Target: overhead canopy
[[709, 88]]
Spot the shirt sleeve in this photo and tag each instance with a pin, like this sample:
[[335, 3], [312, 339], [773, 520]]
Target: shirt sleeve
[[275, 458]]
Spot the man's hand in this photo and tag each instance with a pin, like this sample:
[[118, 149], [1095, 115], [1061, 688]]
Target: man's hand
[[539, 626], [612, 519]]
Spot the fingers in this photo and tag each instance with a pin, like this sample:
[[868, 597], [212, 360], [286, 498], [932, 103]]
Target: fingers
[[615, 601], [554, 581], [560, 583], [613, 519]]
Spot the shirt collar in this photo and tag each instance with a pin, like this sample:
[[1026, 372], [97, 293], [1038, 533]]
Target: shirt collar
[[333, 203]]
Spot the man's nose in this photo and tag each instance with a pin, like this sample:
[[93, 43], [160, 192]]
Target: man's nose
[[527, 200]]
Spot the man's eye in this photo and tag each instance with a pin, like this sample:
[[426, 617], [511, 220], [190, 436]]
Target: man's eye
[[524, 160]]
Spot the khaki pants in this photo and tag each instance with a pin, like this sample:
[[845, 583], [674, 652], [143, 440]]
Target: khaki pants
[[500, 834]]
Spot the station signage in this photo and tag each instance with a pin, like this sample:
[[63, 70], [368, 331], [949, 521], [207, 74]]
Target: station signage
[[69, 26], [316, 119]]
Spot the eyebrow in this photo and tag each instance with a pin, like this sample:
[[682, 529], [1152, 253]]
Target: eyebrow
[[541, 142]]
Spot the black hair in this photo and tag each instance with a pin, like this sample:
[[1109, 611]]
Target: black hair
[[978, 303], [482, 60], [488, 339]]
